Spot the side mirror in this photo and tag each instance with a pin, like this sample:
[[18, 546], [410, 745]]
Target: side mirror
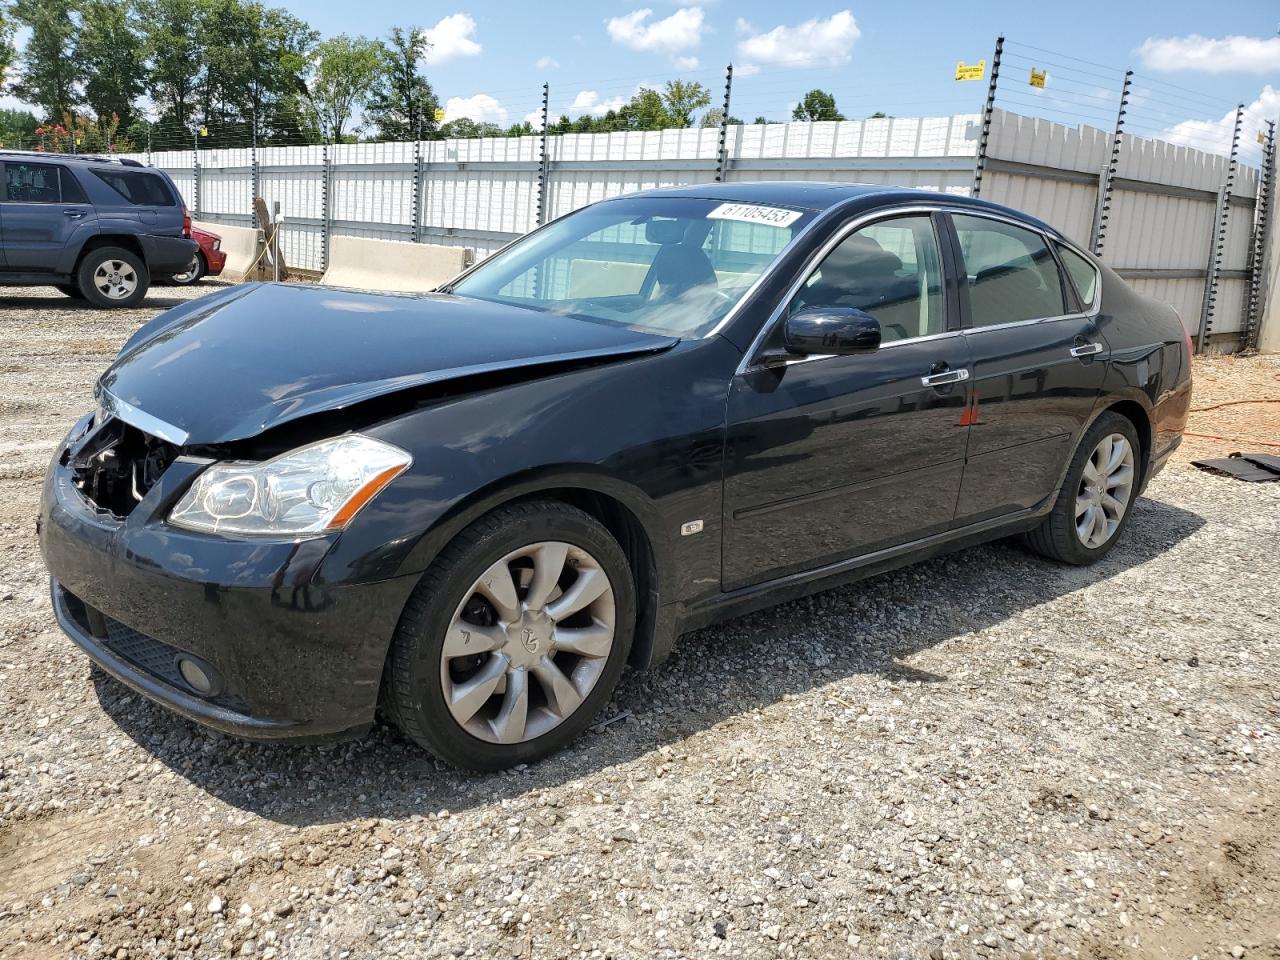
[[831, 330]]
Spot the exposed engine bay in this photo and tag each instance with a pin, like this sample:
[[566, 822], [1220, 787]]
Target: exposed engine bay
[[115, 464]]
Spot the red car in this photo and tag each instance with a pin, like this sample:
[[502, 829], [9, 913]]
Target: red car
[[208, 261]]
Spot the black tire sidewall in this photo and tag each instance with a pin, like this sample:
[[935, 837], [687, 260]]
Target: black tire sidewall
[[1075, 551], [423, 714], [201, 269], [89, 263]]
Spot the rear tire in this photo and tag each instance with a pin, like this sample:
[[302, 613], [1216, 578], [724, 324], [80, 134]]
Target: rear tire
[[1097, 495], [512, 587], [113, 277], [193, 274]]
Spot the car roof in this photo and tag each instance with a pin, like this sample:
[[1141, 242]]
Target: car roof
[[819, 196], [69, 157]]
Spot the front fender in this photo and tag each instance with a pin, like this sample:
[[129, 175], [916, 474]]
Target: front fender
[[646, 432]]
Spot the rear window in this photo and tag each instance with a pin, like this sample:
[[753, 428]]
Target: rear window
[[139, 188]]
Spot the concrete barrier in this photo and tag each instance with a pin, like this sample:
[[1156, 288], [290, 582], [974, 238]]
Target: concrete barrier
[[240, 244], [391, 264]]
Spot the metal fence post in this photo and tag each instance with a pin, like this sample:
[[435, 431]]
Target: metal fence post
[[417, 189], [1218, 243], [722, 154], [324, 207], [1261, 235], [255, 180], [544, 166], [987, 110], [1103, 211], [195, 172]]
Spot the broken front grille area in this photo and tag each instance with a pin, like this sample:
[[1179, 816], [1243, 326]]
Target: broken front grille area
[[115, 464]]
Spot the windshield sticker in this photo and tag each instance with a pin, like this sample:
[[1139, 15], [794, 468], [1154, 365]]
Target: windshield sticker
[[753, 213]]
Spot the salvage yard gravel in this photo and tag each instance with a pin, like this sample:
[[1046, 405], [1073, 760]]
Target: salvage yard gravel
[[985, 755]]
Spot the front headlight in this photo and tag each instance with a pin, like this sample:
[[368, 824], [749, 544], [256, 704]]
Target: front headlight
[[313, 489]]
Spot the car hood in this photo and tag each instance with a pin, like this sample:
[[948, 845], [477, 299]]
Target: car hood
[[231, 365]]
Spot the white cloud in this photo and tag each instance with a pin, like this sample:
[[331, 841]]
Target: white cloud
[[588, 101], [1209, 55], [481, 108], [547, 63], [672, 35], [534, 119], [1214, 136], [685, 63], [452, 37], [814, 43]]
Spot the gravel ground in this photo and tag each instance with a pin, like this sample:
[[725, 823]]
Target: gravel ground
[[986, 754]]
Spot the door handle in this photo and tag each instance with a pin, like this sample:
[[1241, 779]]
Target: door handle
[[73, 214], [945, 377], [1086, 349]]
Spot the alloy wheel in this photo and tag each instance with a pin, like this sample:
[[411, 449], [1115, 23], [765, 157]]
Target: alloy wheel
[[115, 279], [189, 274], [1106, 487], [528, 642]]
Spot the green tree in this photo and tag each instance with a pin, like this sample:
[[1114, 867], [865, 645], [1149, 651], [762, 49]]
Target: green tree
[[712, 118], [49, 74], [108, 47], [465, 127], [6, 41], [18, 128], [761, 119], [172, 46], [817, 105], [403, 105], [645, 111], [344, 73], [681, 99]]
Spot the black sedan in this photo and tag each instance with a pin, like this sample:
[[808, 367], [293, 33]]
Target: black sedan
[[295, 505]]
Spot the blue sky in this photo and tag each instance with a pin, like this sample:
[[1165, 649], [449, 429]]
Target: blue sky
[[1195, 60]]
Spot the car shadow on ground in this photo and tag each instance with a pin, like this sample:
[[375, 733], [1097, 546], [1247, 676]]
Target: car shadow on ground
[[714, 674], [154, 300]]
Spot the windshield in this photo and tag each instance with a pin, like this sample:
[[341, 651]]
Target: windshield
[[665, 265]]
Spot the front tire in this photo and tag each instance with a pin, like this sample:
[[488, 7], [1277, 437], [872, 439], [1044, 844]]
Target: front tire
[[1097, 495], [113, 277], [515, 637]]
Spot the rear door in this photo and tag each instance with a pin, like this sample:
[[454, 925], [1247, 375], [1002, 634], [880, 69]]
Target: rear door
[[1038, 365], [43, 207], [831, 457]]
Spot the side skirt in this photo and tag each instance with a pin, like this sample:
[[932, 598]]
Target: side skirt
[[674, 619]]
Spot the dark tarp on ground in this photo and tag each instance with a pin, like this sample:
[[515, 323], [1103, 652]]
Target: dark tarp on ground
[[1254, 467]]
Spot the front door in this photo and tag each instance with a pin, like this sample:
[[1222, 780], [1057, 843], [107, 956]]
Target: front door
[[833, 457], [42, 206], [1038, 367]]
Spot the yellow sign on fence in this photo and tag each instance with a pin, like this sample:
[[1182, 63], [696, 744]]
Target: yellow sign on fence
[[1037, 78], [965, 71]]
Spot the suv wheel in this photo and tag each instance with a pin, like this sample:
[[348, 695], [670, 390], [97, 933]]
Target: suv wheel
[[1096, 499], [113, 277], [193, 274], [515, 637]]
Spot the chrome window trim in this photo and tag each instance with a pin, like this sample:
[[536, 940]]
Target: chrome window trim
[[1047, 238], [1096, 304], [122, 410], [930, 208], [812, 264]]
